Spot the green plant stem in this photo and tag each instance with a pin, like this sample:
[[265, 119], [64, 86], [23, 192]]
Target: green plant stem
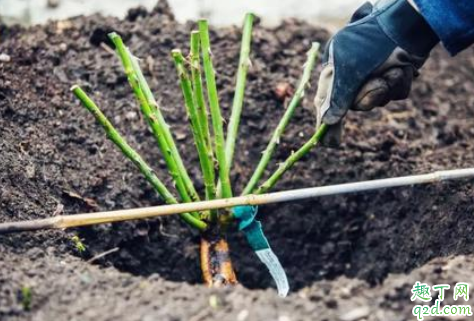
[[196, 76], [150, 116], [198, 90], [244, 64], [197, 129], [217, 122], [132, 155], [295, 101], [165, 129], [290, 161]]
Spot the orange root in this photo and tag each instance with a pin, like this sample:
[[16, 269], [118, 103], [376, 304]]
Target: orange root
[[216, 264]]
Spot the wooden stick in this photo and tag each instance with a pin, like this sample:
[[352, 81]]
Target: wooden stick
[[76, 220]]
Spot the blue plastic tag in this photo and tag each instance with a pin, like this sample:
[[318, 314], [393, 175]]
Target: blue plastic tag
[[254, 233]]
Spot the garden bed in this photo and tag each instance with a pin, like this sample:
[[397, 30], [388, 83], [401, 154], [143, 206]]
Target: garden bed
[[338, 252]]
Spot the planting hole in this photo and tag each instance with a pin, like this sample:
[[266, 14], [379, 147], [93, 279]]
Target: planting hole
[[365, 236]]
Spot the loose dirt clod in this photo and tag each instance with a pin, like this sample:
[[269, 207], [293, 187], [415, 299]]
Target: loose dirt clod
[[329, 255], [4, 57]]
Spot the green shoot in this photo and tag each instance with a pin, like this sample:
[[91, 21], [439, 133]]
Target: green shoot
[[216, 117], [26, 297], [291, 160], [196, 125], [164, 129], [150, 115], [198, 89], [244, 64], [78, 245], [298, 96], [217, 268], [132, 155]]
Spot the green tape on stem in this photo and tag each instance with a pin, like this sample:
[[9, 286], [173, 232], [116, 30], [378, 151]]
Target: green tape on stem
[[254, 233]]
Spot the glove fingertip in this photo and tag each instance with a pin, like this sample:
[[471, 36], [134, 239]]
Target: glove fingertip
[[333, 137], [362, 12], [333, 115]]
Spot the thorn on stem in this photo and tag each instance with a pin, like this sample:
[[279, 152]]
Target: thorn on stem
[[249, 62]]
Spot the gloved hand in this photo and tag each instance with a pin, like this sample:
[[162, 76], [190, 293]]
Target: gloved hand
[[371, 61]]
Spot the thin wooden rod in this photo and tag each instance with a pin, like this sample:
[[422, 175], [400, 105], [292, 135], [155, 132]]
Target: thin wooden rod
[[76, 220]]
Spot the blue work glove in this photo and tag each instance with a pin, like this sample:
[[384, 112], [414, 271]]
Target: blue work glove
[[371, 61]]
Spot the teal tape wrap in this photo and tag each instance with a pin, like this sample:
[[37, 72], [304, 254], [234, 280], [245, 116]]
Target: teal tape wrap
[[255, 236], [254, 233], [252, 228], [245, 215]]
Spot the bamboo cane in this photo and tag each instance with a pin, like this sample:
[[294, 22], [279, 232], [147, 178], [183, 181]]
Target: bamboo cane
[[76, 220]]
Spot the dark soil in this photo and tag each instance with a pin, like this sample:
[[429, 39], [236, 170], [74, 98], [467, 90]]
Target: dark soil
[[339, 252]]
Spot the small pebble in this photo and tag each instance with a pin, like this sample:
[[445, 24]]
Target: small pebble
[[356, 314], [30, 171], [63, 25], [5, 58], [180, 135], [243, 315], [131, 115], [53, 3], [283, 91], [63, 47], [213, 302]]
